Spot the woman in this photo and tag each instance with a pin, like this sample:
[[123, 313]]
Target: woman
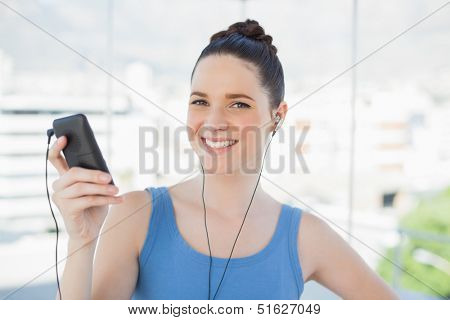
[[152, 245]]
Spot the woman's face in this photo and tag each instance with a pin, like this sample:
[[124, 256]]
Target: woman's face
[[229, 115]]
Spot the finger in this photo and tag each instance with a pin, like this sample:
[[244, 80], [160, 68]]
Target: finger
[[80, 189], [78, 174], [55, 157], [86, 202]]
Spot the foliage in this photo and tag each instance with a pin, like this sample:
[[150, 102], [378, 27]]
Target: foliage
[[432, 215]]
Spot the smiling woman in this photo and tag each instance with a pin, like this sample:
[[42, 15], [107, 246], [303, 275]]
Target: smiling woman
[[234, 97], [161, 250]]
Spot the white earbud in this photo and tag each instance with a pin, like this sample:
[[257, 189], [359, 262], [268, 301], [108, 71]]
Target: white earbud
[[277, 122]]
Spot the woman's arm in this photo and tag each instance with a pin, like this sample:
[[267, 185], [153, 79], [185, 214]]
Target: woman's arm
[[338, 267], [116, 263], [112, 273], [77, 273]]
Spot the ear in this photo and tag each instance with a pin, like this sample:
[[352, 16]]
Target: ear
[[281, 112]]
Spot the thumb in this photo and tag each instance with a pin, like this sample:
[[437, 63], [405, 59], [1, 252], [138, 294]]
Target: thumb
[[55, 156]]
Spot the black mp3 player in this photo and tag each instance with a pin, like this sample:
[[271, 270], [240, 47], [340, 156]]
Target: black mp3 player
[[82, 149]]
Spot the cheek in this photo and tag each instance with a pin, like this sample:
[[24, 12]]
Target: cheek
[[193, 122], [244, 124], [250, 125]]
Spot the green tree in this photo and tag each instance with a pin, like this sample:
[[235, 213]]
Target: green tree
[[432, 215]]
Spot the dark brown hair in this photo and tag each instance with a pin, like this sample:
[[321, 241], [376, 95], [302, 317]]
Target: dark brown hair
[[248, 41]]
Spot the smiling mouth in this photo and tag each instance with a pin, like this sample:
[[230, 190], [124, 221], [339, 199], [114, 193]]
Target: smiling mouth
[[218, 146]]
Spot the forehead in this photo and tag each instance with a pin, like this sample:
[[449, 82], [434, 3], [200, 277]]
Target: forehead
[[217, 74]]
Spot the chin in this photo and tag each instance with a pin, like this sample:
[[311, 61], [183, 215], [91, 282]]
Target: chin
[[219, 166]]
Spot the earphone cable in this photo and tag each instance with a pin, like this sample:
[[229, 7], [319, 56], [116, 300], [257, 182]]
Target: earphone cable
[[50, 133], [204, 208], [207, 236]]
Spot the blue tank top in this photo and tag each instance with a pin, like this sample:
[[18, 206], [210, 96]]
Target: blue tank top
[[169, 268]]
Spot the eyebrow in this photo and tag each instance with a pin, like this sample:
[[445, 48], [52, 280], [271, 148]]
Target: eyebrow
[[228, 95]]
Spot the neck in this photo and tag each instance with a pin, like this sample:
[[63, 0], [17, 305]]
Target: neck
[[230, 194]]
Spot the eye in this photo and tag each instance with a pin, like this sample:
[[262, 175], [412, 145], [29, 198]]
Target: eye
[[241, 105], [195, 102]]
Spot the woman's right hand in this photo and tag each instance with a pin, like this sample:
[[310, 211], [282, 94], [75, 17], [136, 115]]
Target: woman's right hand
[[81, 196]]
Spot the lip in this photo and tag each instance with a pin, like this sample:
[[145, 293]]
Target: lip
[[217, 150]]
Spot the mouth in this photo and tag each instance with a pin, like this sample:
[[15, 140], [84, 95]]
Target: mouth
[[218, 146]]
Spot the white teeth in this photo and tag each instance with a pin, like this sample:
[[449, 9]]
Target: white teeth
[[219, 144]]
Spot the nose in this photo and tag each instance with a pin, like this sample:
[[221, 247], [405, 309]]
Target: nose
[[216, 120]]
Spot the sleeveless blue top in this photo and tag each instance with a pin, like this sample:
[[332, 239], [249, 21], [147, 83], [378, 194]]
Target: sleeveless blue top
[[169, 268]]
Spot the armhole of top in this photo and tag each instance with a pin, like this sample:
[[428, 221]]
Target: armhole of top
[[151, 229], [293, 247]]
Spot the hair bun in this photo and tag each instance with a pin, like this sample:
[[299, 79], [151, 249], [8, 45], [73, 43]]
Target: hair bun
[[250, 29]]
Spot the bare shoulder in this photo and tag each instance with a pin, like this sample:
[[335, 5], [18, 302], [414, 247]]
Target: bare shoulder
[[319, 244], [327, 258], [312, 220], [312, 231], [315, 228]]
